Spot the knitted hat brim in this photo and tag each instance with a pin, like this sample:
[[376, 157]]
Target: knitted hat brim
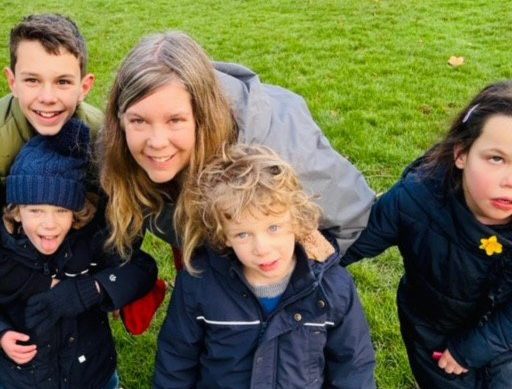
[[51, 190]]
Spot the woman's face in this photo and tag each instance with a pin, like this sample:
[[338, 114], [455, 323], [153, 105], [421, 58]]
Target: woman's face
[[161, 131]]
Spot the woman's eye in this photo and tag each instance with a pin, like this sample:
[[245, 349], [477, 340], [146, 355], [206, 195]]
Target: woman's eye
[[177, 120], [496, 159], [136, 121]]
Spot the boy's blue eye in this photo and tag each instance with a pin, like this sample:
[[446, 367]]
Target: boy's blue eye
[[274, 228], [242, 235]]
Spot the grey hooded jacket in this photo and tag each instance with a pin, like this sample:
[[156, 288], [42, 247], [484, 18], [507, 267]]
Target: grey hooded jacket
[[280, 119]]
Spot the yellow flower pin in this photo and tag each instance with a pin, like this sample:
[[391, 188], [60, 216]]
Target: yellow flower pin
[[491, 245]]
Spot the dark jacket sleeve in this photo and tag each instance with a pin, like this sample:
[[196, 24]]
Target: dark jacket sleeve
[[350, 358], [482, 344], [121, 281], [382, 230], [5, 325], [127, 281], [181, 339], [20, 281]]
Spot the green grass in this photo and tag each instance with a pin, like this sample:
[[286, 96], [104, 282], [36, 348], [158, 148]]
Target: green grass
[[373, 72]]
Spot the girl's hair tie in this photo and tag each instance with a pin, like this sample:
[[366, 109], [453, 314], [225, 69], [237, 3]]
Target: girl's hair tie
[[468, 114]]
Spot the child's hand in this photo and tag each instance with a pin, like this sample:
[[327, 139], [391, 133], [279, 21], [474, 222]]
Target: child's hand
[[449, 364], [17, 352], [68, 298], [317, 247]]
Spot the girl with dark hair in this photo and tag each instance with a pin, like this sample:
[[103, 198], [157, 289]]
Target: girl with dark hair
[[450, 216]]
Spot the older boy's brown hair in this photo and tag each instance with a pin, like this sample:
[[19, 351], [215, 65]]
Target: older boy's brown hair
[[54, 32]]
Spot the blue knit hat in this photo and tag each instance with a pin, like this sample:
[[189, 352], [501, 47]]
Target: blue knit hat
[[51, 169]]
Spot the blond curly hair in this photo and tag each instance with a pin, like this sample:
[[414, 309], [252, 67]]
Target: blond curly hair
[[243, 178]]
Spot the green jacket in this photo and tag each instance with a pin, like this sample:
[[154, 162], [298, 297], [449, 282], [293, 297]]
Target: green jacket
[[15, 131]]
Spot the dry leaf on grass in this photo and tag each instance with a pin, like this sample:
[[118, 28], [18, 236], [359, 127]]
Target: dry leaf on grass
[[455, 62]]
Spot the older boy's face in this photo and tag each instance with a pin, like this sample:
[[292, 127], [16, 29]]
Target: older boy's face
[[49, 87]]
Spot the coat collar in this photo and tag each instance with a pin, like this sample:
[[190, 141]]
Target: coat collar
[[25, 129], [307, 273], [447, 210]]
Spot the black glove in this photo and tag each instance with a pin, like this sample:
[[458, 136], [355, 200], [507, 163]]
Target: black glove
[[68, 298]]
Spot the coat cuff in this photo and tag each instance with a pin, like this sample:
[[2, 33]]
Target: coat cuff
[[89, 294], [467, 356]]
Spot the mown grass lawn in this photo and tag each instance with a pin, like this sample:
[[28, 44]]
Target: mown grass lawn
[[374, 73]]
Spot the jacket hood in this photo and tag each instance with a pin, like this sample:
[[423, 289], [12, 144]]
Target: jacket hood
[[319, 268], [249, 101]]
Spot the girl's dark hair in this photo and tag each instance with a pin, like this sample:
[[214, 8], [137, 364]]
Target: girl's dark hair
[[494, 99]]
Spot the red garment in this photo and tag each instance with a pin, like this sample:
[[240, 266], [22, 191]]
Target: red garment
[[178, 259], [137, 316]]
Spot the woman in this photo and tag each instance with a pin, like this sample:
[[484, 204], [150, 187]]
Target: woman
[[170, 110]]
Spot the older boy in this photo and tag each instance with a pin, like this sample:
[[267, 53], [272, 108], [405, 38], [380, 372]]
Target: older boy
[[48, 79]]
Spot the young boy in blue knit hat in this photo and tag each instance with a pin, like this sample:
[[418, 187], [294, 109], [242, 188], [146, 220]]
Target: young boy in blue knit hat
[[57, 281]]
